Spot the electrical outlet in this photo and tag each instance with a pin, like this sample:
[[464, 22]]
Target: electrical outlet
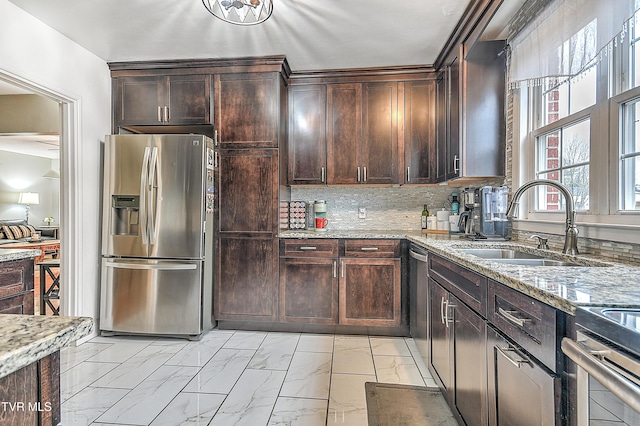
[[362, 212]]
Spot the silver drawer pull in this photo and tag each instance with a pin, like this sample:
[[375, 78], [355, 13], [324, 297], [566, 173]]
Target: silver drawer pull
[[508, 315], [308, 248], [369, 248], [516, 362]]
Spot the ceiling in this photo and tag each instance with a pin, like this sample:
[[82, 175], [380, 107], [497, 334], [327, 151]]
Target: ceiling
[[312, 34]]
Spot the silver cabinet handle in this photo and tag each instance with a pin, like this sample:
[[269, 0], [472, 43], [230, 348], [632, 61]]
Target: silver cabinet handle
[[456, 164], [358, 173], [159, 114], [448, 320], [215, 159], [215, 137], [166, 114], [369, 248], [342, 269], [365, 173], [308, 248], [443, 303], [515, 362], [322, 174], [408, 174], [335, 269], [508, 315]]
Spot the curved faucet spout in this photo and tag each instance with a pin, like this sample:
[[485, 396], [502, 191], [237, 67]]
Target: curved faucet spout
[[571, 232]]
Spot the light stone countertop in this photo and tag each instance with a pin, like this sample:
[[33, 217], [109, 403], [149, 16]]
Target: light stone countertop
[[25, 339], [563, 287], [7, 254]]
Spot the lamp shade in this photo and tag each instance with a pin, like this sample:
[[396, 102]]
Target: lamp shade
[[29, 198]]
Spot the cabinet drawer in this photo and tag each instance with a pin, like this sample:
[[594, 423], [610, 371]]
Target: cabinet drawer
[[372, 248], [465, 284], [16, 277], [529, 322], [309, 248], [21, 303]]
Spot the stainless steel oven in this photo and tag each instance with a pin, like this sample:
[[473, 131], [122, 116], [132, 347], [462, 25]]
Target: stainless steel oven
[[607, 357]]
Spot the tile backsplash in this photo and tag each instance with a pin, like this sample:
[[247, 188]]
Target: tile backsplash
[[397, 208]]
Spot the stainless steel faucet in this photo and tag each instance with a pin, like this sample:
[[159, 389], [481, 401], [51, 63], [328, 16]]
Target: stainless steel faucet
[[571, 232]]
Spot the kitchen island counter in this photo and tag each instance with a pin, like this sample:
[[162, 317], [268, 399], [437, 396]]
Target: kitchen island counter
[[594, 283], [7, 254], [24, 339]]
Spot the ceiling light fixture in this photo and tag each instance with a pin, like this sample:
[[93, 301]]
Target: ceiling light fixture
[[240, 12]]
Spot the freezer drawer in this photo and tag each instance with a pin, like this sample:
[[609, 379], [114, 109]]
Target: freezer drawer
[[151, 297]]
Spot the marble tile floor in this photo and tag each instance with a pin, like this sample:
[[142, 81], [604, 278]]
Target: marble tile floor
[[232, 378]]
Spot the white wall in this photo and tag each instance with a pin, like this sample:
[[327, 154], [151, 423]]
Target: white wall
[[23, 173], [34, 52]]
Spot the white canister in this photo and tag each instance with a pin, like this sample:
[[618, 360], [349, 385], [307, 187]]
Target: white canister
[[432, 222], [453, 221], [443, 215]]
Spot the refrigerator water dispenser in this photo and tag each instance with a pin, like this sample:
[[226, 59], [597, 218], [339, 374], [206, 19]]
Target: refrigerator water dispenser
[[125, 219]]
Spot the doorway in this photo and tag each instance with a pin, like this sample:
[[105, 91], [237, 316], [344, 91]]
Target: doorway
[[65, 181]]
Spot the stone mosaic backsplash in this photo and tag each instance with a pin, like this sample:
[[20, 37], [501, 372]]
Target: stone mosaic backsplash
[[397, 208]]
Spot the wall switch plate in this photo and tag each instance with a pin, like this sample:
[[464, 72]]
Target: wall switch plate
[[362, 212]]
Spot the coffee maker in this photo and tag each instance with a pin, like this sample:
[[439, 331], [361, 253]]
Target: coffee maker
[[485, 215]]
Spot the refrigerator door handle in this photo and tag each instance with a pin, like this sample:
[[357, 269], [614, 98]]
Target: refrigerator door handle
[[144, 175], [154, 266], [153, 199]]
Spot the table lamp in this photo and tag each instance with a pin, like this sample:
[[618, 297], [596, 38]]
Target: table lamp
[[29, 198]]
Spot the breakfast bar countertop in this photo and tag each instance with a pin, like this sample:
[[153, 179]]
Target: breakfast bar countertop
[[597, 283], [7, 254], [25, 339]]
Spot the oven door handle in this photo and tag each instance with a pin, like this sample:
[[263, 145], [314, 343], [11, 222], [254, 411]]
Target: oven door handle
[[619, 385]]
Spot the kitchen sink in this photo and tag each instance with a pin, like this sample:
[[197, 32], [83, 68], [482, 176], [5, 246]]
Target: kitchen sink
[[497, 253], [536, 262]]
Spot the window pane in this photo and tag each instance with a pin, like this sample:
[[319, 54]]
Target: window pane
[[575, 143], [630, 157], [576, 179], [548, 197], [549, 152]]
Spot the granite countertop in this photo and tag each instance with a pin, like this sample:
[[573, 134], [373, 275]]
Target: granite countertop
[[7, 254], [25, 339], [563, 287]]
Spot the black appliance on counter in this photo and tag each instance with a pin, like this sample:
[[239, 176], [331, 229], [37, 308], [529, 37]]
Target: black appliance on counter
[[606, 353]]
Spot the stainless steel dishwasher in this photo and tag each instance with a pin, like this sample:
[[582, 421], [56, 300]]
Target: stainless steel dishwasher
[[418, 298]]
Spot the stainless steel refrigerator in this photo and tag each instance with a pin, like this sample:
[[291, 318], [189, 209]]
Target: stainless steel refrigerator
[[157, 235]]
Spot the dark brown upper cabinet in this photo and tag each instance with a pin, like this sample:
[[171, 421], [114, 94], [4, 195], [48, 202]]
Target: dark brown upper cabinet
[[471, 140], [344, 133], [162, 100], [362, 133], [247, 110], [307, 162], [419, 132]]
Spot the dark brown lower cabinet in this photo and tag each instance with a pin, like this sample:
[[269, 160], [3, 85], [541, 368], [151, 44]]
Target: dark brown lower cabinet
[[247, 287], [370, 292], [16, 287], [309, 290], [31, 395], [457, 354], [521, 392]]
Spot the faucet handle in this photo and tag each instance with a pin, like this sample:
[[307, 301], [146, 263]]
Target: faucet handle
[[542, 242]]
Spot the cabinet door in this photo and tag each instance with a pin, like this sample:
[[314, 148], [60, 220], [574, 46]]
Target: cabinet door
[[420, 132], [139, 100], [370, 292], [380, 133], [470, 366], [248, 191], [247, 288], [439, 334], [344, 133], [16, 287], [188, 98], [520, 392], [309, 290], [453, 161], [307, 134], [247, 110]]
